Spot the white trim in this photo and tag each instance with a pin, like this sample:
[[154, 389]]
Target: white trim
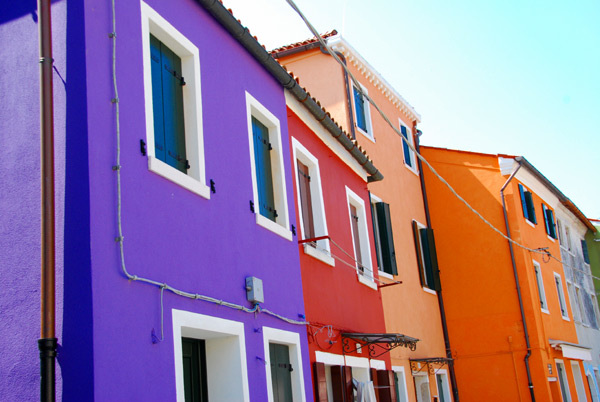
[[377, 364], [540, 285], [561, 296], [529, 222], [363, 234], [360, 362], [282, 224], [369, 133], [292, 340], [299, 152], [329, 358], [578, 380], [564, 378], [412, 154], [430, 291], [194, 180], [400, 369], [385, 275], [445, 383], [225, 354]]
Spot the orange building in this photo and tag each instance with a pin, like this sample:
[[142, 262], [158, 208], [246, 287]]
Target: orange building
[[408, 286], [509, 317]]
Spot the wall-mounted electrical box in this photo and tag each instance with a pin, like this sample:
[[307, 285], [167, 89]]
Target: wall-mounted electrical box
[[254, 290]]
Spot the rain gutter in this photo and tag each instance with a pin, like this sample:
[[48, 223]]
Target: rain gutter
[[251, 44]]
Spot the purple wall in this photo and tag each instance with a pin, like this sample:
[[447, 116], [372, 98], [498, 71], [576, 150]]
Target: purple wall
[[171, 235]]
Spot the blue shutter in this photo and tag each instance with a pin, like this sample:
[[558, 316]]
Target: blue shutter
[[524, 202], [359, 106], [264, 175], [407, 158], [157, 99]]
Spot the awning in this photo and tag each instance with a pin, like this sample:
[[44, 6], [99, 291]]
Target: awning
[[431, 363], [378, 344], [572, 350]]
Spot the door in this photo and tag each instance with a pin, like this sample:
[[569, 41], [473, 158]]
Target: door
[[281, 372]]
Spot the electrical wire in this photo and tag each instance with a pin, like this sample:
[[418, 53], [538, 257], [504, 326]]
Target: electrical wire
[[408, 143], [120, 238]]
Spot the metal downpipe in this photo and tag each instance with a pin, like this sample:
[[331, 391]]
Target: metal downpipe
[[514, 266]]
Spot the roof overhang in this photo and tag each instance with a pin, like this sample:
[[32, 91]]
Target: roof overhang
[[378, 344], [431, 363], [572, 350]]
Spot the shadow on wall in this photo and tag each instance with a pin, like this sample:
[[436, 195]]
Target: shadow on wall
[[11, 10], [75, 355]]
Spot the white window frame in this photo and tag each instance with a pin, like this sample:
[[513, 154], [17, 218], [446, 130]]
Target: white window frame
[[417, 389], [376, 238], [227, 372], [422, 259], [575, 308], [367, 277], [400, 370], [561, 296], [195, 179], [370, 135], [322, 251], [281, 226], [445, 384], [564, 378], [578, 380], [537, 269], [292, 340], [412, 154], [579, 301]]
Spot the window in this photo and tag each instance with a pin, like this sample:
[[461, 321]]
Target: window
[[400, 382], [311, 210], [268, 174], [549, 221], [561, 296], [584, 251], [219, 369], [562, 379], [580, 306], [360, 238], [574, 305], [540, 286], [422, 387], [579, 387], [384, 238], [443, 388], [174, 139], [409, 155], [362, 112], [527, 204], [426, 256], [285, 375]]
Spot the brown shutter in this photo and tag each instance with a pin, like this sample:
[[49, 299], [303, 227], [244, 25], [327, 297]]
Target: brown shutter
[[308, 225], [354, 222], [420, 261], [348, 388], [320, 382], [375, 380], [387, 390], [337, 383]]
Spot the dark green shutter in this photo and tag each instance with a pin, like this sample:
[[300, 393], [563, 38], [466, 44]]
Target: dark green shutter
[[549, 221], [194, 370], [405, 146], [281, 369], [524, 202], [264, 175], [386, 238], [359, 106], [433, 260], [167, 98], [584, 250], [420, 262], [530, 207]]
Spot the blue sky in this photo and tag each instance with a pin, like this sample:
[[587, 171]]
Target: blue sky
[[513, 77]]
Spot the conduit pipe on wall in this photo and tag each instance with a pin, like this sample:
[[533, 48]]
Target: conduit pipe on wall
[[47, 342], [243, 36], [516, 274], [439, 292]]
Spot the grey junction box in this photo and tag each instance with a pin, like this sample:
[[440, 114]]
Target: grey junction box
[[254, 290]]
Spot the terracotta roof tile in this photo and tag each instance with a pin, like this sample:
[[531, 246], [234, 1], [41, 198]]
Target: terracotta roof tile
[[303, 43]]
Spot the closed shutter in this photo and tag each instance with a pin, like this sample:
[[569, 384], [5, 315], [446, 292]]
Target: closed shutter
[[524, 202], [584, 250], [386, 238], [308, 225], [281, 369], [549, 221], [420, 262], [355, 236], [194, 370], [341, 384], [387, 386], [320, 382], [167, 98], [264, 175], [433, 261], [407, 158], [359, 106], [530, 207]]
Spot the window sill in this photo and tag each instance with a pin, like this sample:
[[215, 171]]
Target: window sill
[[530, 223], [386, 275], [365, 134], [319, 255], [273, 227], [552, 239], [412, 169], [367, 282], [545, 311], [566, 318], [430, 291], [170, 173]]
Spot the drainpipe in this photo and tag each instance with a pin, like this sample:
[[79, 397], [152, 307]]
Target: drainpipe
[[514, 266], [439, 291], [348, 91], [47, 342]]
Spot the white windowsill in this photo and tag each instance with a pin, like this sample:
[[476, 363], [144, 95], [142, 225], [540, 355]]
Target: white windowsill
[[365, 134], [273, 227], [545, 311], [430, 291], [318, 254], [168, 172], [367, 282], [566, 318], [385, 275], [530, 223], [552, 239], [412, 169]]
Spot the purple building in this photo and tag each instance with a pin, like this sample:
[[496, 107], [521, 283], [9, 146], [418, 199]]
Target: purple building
[[194, 153]]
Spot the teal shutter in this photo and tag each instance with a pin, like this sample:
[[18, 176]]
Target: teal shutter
[[308, 225], [264, 174], [167, 97], [419, 250], [405, 146], [524, 202], [549, 221], [359, 106], [281, 369], [584, 250], [530, 207], [386, 238]]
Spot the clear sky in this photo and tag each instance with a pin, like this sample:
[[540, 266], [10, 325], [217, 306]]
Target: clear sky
[[513, 77]]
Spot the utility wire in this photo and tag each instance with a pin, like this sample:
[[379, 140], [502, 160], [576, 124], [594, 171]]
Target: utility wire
[[410, 145]]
